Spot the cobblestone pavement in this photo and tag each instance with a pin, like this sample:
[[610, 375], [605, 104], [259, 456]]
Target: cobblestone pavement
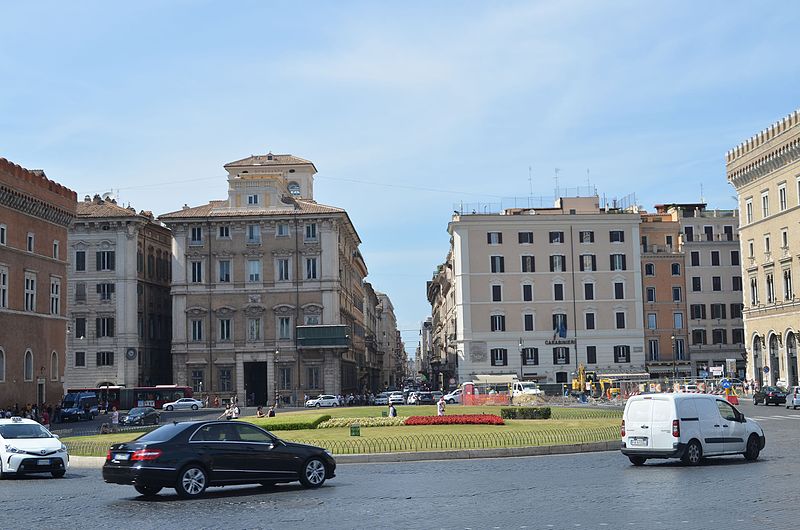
[[593, 490]]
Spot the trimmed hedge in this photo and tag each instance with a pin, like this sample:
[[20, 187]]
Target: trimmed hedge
[[525, 413], [290, 424], [364, 422]]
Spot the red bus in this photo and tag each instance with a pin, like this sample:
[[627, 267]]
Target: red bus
[[140, 396]]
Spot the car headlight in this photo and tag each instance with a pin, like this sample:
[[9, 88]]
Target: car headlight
[[12, 449], [328, 453], [62, 449]]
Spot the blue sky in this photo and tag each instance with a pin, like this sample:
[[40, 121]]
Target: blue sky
[[405, 109]]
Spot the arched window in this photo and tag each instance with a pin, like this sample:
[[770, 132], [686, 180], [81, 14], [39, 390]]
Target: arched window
[[2, 366], [28, 366], [54, 366]]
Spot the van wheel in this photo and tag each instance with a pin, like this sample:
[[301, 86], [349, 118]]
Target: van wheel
[[637, 460], [752, 450], [693, 454]]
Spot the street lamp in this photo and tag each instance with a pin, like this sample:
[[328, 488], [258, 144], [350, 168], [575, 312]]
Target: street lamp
[[275, 374]]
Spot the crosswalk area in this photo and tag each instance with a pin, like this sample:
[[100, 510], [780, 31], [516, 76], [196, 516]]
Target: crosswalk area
[[784, 417]]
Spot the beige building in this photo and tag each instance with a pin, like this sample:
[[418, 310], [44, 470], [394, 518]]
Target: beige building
[[766, 174], [390, 344], [267, 290], [539, 290], [442, 342], [119, 297]]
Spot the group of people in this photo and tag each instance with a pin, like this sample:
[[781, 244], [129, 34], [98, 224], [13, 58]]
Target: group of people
[[44, 414]]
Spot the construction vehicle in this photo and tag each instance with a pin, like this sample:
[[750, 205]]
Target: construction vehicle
[[587, 381]]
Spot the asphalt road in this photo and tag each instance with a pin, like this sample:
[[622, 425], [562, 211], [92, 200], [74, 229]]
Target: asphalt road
[[593, 490]]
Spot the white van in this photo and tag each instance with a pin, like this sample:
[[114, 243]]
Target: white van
[[525, 387], [687, 426]]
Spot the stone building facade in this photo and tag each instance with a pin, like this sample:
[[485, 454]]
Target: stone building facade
[[35, 213], [119, 293], [267, 288], [765, 171]]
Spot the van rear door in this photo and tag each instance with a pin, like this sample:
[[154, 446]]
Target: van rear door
[[637, 423], [661, 424]]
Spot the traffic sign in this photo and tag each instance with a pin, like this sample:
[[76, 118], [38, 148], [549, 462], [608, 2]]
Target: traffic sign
[[726, 384], [766, 369]]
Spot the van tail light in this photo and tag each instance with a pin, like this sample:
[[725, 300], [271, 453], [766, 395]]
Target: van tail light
[[146, 454], [622, 429], [108, 456], [676, 428]]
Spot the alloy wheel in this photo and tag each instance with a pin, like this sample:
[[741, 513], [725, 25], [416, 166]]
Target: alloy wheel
[[315, 472], [193, 481]]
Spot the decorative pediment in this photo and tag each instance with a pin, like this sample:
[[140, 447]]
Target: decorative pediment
[[254, 310], [313, 250], [223, 254], [283, 309], [225, 310], [312, 309], [195, 253], [196, 311], [80, 245], [253, 252], [282, 252], [106, 244]]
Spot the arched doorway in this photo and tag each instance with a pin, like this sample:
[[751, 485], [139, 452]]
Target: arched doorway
[[791, 354], [758, 361], [774, 361]]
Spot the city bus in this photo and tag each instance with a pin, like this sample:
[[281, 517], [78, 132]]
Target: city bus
[[127, 398]]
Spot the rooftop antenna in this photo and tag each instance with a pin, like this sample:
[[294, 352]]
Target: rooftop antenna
[[556, 179], [701, 193], [530, 180]]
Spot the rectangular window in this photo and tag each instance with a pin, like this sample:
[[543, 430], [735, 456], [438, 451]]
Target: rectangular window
[[677, 320], [197, 380], [312, 320], [668, 241], [782, 198], [558, 291], [525, 238], [651, 294], [676, 294], [494, 238], [30, 292], [588, 291], [719, 336], [715, 258], [311, 232], [698, 311], [282, 230], [561, 355], [787, 284], [736, 310], [104, 326], [528, 264], [680, 350], [784, 239], [734, 257], [55, 249], [80, 328], [80, 359], [622, 354], [311, 268], [225, 271], [751, 248], [698, 337], [651, 321], [30, 242], [105, 358], [224, 232], [497, 322], [716, 283], [3, 287], [253, 270], [590, 320], [556, 237], [718, 311], [557, 263], [588, 262], [499, 357], [765, 204], [709, 233], [284, 328], [105, 260], [284, 378], [696, 285], [587, 236], [497, 293], [80, 260], [497, 263], [225, 379], [3, 235], [591, 354], [55, 296], [224, 329], [253, 234], [736, 283], [284, 272], [737, 336], [196, 237], [652, 350], [252, 199], [620, 319], [527, 292], [197, 330], [528, 320], [649, 269], [616, 236], [748, 208], [530, 356], [197, 271], [314, 377], [618, 262], [253, 329], [559, 325], [688, 232], [105, 290], [619, 290], [695, 257]]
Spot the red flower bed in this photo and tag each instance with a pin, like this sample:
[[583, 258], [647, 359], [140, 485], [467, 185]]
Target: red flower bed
[[457, 419]]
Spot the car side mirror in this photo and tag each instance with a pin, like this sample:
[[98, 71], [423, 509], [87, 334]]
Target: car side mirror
[[56, 436]]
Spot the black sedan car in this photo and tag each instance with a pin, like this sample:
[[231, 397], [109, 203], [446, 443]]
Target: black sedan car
[[191, 456], [141, 416], [425, 398], [770, 394]]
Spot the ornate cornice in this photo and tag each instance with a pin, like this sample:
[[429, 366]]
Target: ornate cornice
[[765, 165], [36, 207]]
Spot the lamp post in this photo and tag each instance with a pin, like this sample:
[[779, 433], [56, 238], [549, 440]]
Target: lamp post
[[275, 374]]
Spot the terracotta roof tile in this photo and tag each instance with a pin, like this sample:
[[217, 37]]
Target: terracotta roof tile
[[270, 160], [219, 209], [104, 209]]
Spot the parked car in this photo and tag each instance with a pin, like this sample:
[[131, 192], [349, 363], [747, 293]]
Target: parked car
[[412, 398], [453, 397], [770, 394], [323, 401], [27, 447], [520, 388], [191, 456], [437, 395], [424, 398], [141, 416], [686, 426], [183, 404], [79, 406], [793, 397], [382, 398], [396, 398]]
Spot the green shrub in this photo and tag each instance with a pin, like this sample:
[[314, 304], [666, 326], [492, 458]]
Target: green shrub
[[525, 413], [294, 423]]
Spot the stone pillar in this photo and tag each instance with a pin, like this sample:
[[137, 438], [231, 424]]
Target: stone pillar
[[239, 379]]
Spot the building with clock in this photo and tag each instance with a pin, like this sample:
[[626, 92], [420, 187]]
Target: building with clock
[[119, 297]]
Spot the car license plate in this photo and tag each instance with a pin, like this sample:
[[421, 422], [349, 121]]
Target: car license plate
[[43, 462], [638, 441], [121, 456]]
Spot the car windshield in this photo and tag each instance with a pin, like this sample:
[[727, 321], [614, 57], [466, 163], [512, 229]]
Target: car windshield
[[69, 401], [24, 430], [137, 411], [529, 386], [163, 433]]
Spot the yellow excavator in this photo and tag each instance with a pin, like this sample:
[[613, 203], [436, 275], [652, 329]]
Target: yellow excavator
[[587, 380]]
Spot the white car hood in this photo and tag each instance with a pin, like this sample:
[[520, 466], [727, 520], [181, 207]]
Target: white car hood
[[32, 444]]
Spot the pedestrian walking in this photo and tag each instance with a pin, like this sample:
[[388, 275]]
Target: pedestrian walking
[[440, 407], [235, 412], [392, 411], [114, 420]]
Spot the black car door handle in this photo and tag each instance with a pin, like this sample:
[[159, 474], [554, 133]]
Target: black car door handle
[[645, 427], [716, 425], [724, 425]]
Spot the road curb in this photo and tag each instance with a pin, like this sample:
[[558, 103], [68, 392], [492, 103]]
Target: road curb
[[417, 456]]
